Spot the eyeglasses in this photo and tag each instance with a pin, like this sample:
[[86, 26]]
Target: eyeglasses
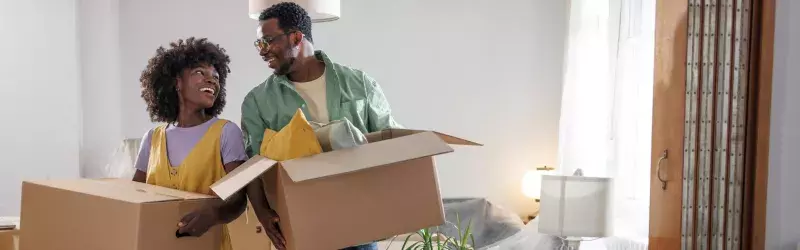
[[265, 42]]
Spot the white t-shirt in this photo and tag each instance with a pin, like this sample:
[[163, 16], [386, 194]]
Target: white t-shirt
[[314, 93]]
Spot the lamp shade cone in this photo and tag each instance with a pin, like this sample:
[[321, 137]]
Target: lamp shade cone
[[318, 10]]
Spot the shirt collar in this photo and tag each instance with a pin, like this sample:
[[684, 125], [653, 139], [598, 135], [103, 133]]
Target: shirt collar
[[332, 87], [321, 56]]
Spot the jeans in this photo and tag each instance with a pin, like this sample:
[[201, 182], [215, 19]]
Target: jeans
[[368, 246]]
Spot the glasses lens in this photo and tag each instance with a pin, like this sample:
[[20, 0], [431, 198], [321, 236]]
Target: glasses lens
[[260, 44]]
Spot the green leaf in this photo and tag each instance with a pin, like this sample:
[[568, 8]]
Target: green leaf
[[467, 233], [441, 241], [405, 242], [413, 246]]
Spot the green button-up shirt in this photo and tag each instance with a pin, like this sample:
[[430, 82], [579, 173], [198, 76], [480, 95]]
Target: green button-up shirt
[[351, 94]]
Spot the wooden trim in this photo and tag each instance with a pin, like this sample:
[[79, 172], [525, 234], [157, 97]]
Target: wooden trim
[[756, 179]]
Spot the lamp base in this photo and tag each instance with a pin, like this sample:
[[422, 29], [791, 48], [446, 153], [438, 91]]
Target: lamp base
[[571, 243]]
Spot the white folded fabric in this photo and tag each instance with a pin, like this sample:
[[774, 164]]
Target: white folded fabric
[[338, 134]]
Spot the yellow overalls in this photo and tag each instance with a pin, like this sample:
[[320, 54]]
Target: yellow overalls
[[201, 167]]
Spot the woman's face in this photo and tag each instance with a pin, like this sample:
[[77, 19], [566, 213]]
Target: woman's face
[[199, 86]]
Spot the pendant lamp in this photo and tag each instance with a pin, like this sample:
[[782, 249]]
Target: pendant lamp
[[318, 10]]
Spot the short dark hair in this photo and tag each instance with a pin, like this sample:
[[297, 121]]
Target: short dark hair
[[158, 79], [290, 17]]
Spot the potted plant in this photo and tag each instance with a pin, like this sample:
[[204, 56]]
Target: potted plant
[[427, 239]]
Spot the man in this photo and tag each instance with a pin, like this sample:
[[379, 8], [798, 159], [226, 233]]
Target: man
[[307, 79]]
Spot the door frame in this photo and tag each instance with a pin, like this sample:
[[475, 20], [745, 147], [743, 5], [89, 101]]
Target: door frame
[[671, 28], [755, 215]]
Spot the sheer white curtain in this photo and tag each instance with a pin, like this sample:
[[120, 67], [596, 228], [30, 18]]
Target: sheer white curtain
[[606, 109]]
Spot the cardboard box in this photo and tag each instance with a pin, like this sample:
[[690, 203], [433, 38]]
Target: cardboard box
[[91, 214], [352, 196], [247, 233], [9, 233], [9, 239]]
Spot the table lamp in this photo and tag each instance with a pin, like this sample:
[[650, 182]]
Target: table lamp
[[531, 182], [575, 207]]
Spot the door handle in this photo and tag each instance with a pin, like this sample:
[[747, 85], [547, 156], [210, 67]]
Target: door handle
[[658, 170]]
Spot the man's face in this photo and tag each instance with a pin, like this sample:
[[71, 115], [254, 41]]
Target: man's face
[[275, 46]]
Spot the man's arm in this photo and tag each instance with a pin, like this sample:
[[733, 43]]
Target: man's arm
[[258, 198], [253, 129], [252, 125], [266, 215], [379, 113]]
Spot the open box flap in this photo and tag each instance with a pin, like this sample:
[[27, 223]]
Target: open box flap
[[241, 176], [396, 132], [123, 190], [366, 156]]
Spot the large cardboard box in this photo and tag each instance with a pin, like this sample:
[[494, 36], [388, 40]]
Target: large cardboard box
[[351, 196], [247, 233], [91, 214], [9, 233], [9, 239]]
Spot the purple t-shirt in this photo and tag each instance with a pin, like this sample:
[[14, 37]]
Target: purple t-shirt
[[181, 141]]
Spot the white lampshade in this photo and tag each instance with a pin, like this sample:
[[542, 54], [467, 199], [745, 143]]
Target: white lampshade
[[575, 206], [531, 183], [318, 10]]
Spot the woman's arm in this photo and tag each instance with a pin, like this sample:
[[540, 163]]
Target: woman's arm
[[143, 158], [232, 208], [220, 211], [233, 155]]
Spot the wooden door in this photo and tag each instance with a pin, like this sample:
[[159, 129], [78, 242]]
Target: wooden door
[[668, 120], [712, 83]]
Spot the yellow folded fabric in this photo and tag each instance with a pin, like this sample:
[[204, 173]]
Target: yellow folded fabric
[[295, 140]]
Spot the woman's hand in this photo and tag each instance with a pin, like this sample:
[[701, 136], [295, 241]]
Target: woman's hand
[[272, 228], [199, 221]]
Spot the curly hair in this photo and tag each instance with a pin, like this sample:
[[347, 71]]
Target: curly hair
[[159, 79], [290, 17]]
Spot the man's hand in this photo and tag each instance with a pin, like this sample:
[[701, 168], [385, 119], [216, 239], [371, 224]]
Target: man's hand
[[198, 221], [266, 215], [273, 230]]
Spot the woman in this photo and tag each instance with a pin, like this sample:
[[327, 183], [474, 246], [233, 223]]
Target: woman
[[184, 87]]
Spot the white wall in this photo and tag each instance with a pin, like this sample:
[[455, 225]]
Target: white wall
[[98, 23], [783, 220], [489, 71], [41, 95]]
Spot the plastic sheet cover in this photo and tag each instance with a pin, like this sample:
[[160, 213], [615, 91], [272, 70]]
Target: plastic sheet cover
[[122, 162]]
